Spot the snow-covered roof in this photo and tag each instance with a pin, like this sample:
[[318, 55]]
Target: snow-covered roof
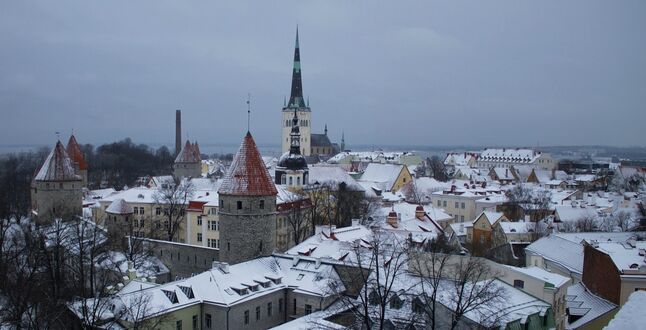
[[247, 175], [332, 243], [133, 195], [58, 166], [626, 258], [330, 174], [585, 304], [631, 315], [407, 211], [517, 227], [459, 158], [573, 213], [491, 216], [383, 175], [119, 206], [564, 252], [541, 274]]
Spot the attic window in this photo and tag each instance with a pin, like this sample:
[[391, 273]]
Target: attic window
[[239, 290], [300, 277], [634, 266], [188, 291], [513, 230], [140, 196], [171, 295]]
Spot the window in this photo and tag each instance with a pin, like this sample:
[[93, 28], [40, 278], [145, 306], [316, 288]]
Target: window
[[239, 205], [418, 306], [178, 325], [213, 225], [456, 205], [462, 205], [444, 203], [395, 302], [262, 204], [308, 309], [257, 313], [269, 309], [294, 305], [520, 284], [135, 210], [207, 320], [404, 180], [158, 211], [439, 203], [462, 218], [291, 181], [199, 237], [280, 305], [246, 317], [195, 322], [141, 210], [199, 220]]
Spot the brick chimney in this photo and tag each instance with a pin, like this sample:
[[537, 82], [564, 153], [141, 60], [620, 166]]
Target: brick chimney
[[419, 212], [392, 218], [178, 131]]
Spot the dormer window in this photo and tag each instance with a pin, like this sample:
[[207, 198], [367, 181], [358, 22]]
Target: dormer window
[[396, 302]]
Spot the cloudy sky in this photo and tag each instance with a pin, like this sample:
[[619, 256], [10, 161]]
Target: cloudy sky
[[387, 73]]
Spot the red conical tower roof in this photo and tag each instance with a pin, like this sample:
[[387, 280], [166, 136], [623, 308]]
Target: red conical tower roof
[[58, 166], [247, 175], [74, 150]]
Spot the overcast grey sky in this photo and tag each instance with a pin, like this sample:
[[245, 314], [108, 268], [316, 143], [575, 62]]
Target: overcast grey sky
[[396, 72]]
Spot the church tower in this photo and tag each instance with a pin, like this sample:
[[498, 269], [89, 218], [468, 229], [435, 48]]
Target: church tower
[[247, 207], [297, 103], [291, 169]]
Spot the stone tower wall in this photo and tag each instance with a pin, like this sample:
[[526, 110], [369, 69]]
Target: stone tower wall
[[249, 232], [57, 199], [185, 170]]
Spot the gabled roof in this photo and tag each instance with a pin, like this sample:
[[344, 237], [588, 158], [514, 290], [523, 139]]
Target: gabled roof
[[384, 174], [57, 166], [247, 175], [74, 150], [189, 154]]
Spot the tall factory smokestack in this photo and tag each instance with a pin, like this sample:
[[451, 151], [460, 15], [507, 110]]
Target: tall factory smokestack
[[178, 131]]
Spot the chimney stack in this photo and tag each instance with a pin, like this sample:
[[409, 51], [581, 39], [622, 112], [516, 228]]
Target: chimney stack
[[178, 131]]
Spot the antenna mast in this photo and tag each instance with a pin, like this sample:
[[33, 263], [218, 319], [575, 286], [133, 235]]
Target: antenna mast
[[248, 110]]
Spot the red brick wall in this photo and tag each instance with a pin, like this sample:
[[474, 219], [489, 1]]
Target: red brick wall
[[600, 274]]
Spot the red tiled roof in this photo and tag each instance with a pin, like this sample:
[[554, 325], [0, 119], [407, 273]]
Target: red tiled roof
[[74, 150], [57, 166], [189, 154], [247, 175]]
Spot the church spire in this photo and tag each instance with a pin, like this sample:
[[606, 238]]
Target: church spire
[[296, 99]]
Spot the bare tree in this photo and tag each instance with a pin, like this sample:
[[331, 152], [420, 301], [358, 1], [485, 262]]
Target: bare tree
[[437, 169], [459, 284], [173, 199], [298, 217], [524, 200], [376, 267]]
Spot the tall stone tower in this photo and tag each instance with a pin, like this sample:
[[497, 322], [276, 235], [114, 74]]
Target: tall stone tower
[[80, 165], [188, 163], [291, 169], [56, 190], [297, 102], [247, 207]]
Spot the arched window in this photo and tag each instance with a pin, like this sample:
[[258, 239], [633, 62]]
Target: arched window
[[283, 179], [298, 181], [291, 181]]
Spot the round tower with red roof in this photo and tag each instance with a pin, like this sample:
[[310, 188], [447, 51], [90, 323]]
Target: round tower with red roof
[[247, 207]]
